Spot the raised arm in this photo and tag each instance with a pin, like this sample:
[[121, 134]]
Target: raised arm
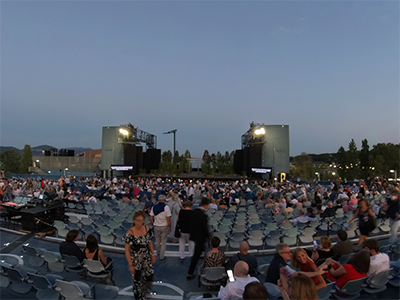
[[322, 283]]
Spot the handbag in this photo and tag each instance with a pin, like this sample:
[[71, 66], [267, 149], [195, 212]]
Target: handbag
[[177, 231]]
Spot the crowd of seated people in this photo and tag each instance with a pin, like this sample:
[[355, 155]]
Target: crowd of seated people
[[280, 197]]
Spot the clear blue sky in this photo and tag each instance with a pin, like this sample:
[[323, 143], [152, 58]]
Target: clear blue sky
[[330, 70]]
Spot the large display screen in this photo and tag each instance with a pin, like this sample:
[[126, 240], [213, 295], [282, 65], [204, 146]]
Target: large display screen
[[261, 170]]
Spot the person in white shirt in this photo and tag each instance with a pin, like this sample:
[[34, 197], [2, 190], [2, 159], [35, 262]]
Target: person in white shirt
[[379, 261], [160, 217], [234, 290], [302, 218]]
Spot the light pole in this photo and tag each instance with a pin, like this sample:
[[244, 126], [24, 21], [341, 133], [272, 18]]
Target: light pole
[[174, 132], [316, 173], [395, 174]]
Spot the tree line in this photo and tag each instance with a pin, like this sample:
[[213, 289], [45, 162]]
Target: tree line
[[13, 162], [351, 163]]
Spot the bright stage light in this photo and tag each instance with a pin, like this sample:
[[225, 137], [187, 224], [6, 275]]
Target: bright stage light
[[259, 131], [123, 131]]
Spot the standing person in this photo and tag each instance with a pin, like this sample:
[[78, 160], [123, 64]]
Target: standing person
[[365, 221], [184, 221], [199, 234], [139, 253], [393, 212], [160, 217], [174, 206]]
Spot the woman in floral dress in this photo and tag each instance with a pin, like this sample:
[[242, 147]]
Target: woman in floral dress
[[139, 253]]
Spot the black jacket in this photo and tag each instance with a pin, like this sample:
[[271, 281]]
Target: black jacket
[[71, 249], [273, 273], [199, 229]]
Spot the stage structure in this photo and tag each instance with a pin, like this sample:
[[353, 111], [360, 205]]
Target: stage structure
[[122, 154], [265, 152]]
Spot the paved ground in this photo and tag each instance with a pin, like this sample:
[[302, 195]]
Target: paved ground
[[171, 271]]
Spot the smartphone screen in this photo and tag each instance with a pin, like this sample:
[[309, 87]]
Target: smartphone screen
[[230, 275], [315, 244]]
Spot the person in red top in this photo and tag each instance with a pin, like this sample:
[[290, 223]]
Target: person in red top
[[356, 268], [300, 260]]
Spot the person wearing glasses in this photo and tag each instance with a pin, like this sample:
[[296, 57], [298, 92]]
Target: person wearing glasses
[[281, 256]]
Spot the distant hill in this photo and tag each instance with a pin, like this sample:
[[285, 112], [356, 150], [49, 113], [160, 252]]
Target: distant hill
[[38, 150], [43, 147], [8, 148]]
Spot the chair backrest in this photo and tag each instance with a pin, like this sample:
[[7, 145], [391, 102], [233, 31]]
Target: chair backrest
[[31, 251], [380, 279], [214, 273], [263, 269], [353, 286], [325, 293], [39, 282], [344, 259], [71, 261], [50, 256], [68, 289], [93, 266], [13, 274]]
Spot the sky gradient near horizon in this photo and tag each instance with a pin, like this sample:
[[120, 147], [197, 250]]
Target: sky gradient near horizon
[[329, 70]]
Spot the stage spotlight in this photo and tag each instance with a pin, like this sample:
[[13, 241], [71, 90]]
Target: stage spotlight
[[259, 131], [123, 131]]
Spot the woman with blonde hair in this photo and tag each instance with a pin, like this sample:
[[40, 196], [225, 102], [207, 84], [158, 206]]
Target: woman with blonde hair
[[139, 253], [300, 260], [302, 288]]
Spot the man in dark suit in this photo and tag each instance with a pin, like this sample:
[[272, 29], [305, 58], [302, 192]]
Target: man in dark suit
[[198, 234]]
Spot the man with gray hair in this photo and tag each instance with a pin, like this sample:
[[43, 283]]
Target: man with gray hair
[[273, 274], [234, 290], [160, 217]]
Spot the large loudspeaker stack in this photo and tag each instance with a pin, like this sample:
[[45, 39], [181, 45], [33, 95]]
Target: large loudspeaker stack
[[255, 156], [247, 158], [238, 161], [151, 159]]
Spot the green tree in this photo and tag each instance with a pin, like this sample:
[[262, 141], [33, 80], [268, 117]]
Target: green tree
[[213, 162], [11, 161], [364, 159], [166, 165], [206, 165], [176, 158], [26, 160], [220, 162], [352, 156], [189, 165], [342, 162], [206, 156], [303, 166]]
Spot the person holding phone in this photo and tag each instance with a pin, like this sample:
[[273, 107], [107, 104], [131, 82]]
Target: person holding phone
[[324, 251], [236, 283]]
